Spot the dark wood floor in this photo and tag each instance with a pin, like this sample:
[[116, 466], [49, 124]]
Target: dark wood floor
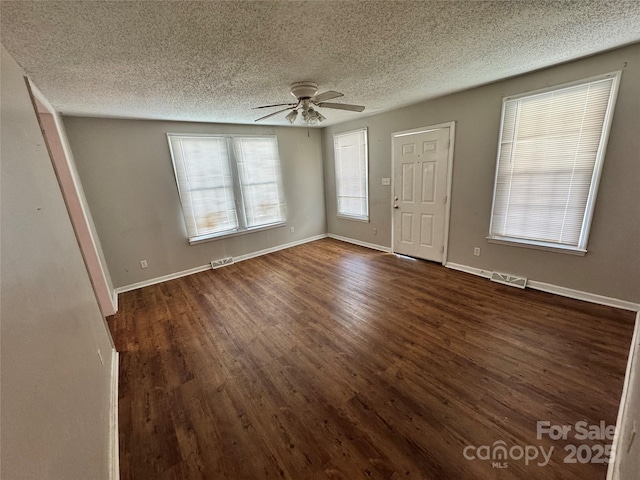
[[332, 361]]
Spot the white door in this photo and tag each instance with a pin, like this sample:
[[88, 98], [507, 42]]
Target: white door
[[420, 164]]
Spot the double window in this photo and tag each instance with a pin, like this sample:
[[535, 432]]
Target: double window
[[550, 156], [227, 184], [352, 177]]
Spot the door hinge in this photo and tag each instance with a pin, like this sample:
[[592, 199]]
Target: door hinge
[[446, 197], [442, 251]]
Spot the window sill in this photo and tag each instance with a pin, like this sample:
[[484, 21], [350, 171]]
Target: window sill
[[235, 233], [549, 247], [357, 219]]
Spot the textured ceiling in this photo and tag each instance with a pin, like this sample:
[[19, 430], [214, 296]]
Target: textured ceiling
[[213, 61]]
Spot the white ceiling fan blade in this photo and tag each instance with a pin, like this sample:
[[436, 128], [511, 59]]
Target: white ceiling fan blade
[[342, 106], [275, 105], [326, 96], [274, 113]]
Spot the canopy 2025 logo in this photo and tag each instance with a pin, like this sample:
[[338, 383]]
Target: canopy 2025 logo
[[499, 453]]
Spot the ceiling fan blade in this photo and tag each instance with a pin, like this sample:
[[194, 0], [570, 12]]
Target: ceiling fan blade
[[326, 96], [275, 113], [342, 106], [275, 105]]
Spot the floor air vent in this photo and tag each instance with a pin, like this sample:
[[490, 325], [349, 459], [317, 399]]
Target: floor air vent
[[507, 279], [222, 262]]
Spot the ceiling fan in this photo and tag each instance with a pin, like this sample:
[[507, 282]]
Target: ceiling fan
[[307, 95]]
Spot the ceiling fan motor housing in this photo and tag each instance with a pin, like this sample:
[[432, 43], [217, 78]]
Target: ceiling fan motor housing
[[304, 89]]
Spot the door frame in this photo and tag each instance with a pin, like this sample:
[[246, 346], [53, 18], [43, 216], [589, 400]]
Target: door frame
[[71, 190], [447, 210]]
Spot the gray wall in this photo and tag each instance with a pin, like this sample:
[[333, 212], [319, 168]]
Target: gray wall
[[612, 265], [126, 171], [55, 391]]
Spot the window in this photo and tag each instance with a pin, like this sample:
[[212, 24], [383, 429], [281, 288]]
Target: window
[[550, 155], [260, 182], [352, 179], [227, 184]]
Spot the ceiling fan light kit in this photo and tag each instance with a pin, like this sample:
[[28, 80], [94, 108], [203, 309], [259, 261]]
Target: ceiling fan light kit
[[307, 96], [291, 116]]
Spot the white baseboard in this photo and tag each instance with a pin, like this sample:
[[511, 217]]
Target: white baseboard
[[613, 471], [556, 289], [466, 269], [586, 296], [114, 449], [202, 268], [259, 253], [164, 278], [114, 300], [361, 243]]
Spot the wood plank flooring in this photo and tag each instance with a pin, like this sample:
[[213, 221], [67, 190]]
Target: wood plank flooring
[[332, 361]]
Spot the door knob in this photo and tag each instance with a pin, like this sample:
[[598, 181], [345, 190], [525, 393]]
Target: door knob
[[395, 206]]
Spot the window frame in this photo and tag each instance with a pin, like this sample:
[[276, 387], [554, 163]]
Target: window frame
[[237, 190], [238, 181], [581, 248], [357, 218]]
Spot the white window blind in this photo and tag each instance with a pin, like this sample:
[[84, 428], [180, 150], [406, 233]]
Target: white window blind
[[549, 159], [227, 184], [260, 180], [205, 184], [352, 182]]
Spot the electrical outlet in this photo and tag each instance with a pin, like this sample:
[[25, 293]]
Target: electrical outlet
[[476, 251], [143, 264], [386, 181], [375, 231], [292, 229]]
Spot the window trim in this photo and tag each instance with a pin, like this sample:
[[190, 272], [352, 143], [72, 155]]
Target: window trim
[[217, 236], [353, 217], [536, 245], [356, 218], [242, 229], [581, 248]]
